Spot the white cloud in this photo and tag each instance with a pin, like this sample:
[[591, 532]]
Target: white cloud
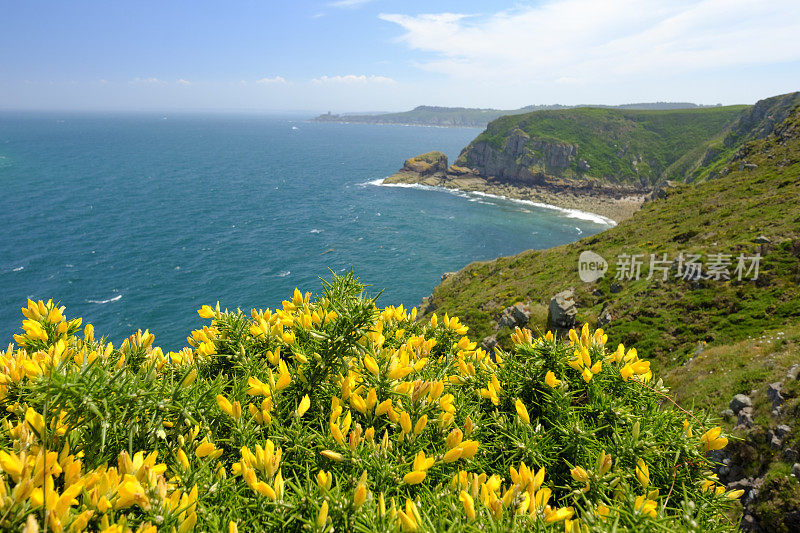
[[182, 81], [349, 3], [148, 81], [271, 81], [571, 40], [352, 79]]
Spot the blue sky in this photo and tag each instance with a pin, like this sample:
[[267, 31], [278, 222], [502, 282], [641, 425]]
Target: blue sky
[[369, 55]]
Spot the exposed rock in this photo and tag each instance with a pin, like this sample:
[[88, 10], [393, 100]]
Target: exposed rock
[[782, 430], [426, 164], [789, 455], [561, 312], [447, 275], [427, 305], [774, 393], [456, 170], [745, 418], [740, 401], [796, 470], [515, 315], [793, 372], [615, 288], [489, 343], [761, 239], [727, 413], [775, 442], [663, 190], [604, 319], [520, 158]]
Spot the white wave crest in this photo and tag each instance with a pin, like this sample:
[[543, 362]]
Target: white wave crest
[[114, 299], [569, 213]]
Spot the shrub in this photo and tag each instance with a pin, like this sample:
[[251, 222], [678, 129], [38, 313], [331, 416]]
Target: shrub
[[332, 414]]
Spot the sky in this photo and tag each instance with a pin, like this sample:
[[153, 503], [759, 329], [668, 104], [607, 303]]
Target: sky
[[387, 55]]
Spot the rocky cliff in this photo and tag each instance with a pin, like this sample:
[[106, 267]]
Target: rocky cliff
[[612, 146]]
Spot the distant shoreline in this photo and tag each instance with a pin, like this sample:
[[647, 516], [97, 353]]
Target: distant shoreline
[[403, 124]]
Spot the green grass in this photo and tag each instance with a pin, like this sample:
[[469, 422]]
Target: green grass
[[668, 319], [611, 139]]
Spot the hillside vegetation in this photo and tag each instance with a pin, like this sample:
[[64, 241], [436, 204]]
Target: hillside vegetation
[[614, 145], [757, 196], [330, 414]]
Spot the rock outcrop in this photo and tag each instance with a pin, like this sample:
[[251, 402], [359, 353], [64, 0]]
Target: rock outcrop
[[520, 158], [516, 315], [561, 312], [426, 164]]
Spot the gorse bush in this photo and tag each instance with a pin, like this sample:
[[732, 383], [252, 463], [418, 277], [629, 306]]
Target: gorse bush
[[332, 414]]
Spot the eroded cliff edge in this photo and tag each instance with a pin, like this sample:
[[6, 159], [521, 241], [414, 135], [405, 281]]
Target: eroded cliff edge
[[613, 201]]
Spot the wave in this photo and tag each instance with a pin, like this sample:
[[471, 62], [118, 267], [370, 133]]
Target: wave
[[569, 213], [315, 230], [18, 269], [114, 299], [284, 273]]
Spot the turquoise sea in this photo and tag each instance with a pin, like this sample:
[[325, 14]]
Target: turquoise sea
[[135, 221]]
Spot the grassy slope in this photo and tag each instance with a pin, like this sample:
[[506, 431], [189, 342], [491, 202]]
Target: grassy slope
[[610, 139], [666, 320]]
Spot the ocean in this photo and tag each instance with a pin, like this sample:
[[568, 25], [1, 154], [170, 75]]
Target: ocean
[[136, 220]]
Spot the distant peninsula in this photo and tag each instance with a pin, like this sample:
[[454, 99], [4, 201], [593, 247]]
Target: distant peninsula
[[469, 117], [601, 160]]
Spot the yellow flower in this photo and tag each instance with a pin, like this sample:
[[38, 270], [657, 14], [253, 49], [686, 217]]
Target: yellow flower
[[421, 463], [360, 495], [642, 473], [645, 506], [333, 456], [420, 425], [324, 479], [587, 375], [405, 422], [130, 492], [453, 455], [182, 459], [371, 365], [563, 513], [188, 524], [204, 449], [415, 477], [712, 440], [469, 449], [468, 503], [579, 474], [522, 411], [322, 517], [551, 380], [408, 518], [305, 403], [206, 312]]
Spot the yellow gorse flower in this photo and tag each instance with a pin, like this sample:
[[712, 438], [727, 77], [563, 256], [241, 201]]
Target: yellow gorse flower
[[407, 393]]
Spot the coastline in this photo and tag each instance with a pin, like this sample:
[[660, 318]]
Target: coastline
[[607, 208]]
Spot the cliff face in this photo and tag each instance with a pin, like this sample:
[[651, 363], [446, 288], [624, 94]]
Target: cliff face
[[520, 158], [757, 122]]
